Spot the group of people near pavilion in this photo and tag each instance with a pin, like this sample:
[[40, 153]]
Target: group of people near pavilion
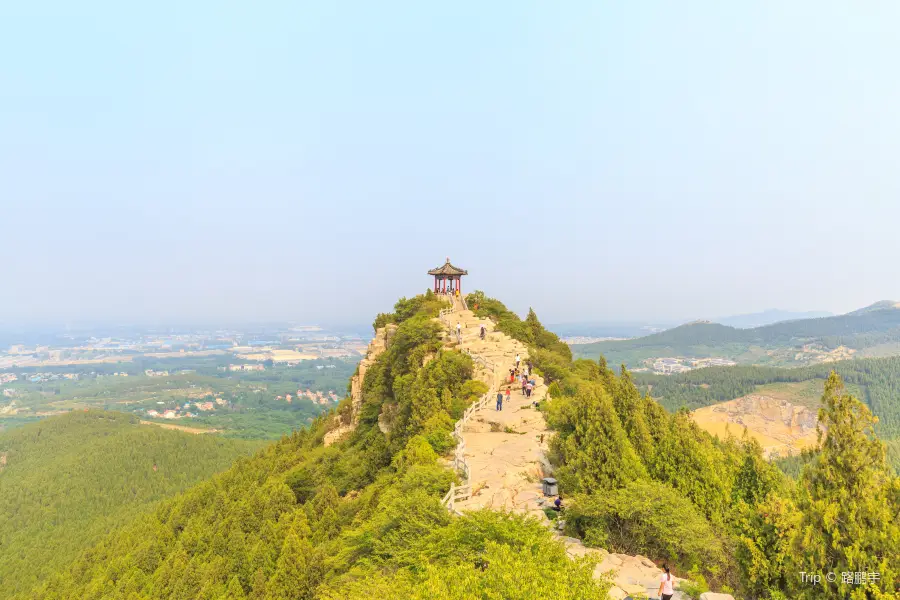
[[522, 374]]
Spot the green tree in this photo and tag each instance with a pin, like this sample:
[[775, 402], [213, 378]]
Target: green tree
[[290, 580], [596, 452], [234, 590], [764, 549], [846, 496]]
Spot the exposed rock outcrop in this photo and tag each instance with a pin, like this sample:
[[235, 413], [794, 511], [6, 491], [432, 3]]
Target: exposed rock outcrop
[[345, 423], [781, 428]]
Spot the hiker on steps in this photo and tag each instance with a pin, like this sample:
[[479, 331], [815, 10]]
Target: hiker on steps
[[499, 400], [458, 332], [482, 331], [518, 360], [665, 584]]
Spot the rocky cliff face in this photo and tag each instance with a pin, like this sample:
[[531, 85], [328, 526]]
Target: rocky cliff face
[[782, 428], [344, 424]]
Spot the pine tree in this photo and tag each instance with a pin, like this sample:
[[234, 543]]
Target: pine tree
[[598, 453], [234, 590], [290, 580], [755, 478], [849, 522], [764, 538], [258, 585]]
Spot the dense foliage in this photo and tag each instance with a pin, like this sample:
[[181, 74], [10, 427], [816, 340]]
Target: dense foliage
[[361, 518], [428, 304], [847, 496], [67, 480], [643, 480]]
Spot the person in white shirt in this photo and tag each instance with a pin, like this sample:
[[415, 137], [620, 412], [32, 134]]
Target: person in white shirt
[[666, 591]]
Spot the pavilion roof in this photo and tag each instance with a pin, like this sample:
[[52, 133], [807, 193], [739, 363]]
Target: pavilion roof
[[448, 269]]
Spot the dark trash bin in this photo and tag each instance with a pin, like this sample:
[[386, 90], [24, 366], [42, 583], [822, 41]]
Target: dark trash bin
[[549, 485]]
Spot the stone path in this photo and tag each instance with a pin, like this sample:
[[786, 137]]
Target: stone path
[[503, 448], [506, 453]]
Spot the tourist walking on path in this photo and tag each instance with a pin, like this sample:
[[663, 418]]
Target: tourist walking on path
[[518, 360], [482, 331], [499, 400], [507, 394], [666, 591], [529, 387]]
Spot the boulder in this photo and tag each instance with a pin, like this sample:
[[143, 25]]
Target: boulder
[[633, 589], [616, 593], [715, 596]]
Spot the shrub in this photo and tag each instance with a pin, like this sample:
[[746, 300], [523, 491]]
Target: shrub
[[652, 519]]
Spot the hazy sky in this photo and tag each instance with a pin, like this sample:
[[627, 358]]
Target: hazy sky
[[311, 160]]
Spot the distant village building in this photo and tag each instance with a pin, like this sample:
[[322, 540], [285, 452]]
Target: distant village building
[[246, 368]]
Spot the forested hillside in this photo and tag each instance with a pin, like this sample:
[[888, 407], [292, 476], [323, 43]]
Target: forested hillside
[[877, 378], [876, 326], [357, 520], [363, 518], [68, 480], [641, 479]]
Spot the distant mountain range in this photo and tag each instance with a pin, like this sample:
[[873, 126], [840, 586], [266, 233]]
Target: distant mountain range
[[799, 341], [768, 317], [609, 329], [631, 329]]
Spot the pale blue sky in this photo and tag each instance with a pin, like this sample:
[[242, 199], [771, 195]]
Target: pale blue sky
[[311, 160]]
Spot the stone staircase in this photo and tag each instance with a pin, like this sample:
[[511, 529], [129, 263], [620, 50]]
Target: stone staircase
[[503, 453]]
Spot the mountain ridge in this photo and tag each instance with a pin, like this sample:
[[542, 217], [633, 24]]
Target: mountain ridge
[[875, 325]]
